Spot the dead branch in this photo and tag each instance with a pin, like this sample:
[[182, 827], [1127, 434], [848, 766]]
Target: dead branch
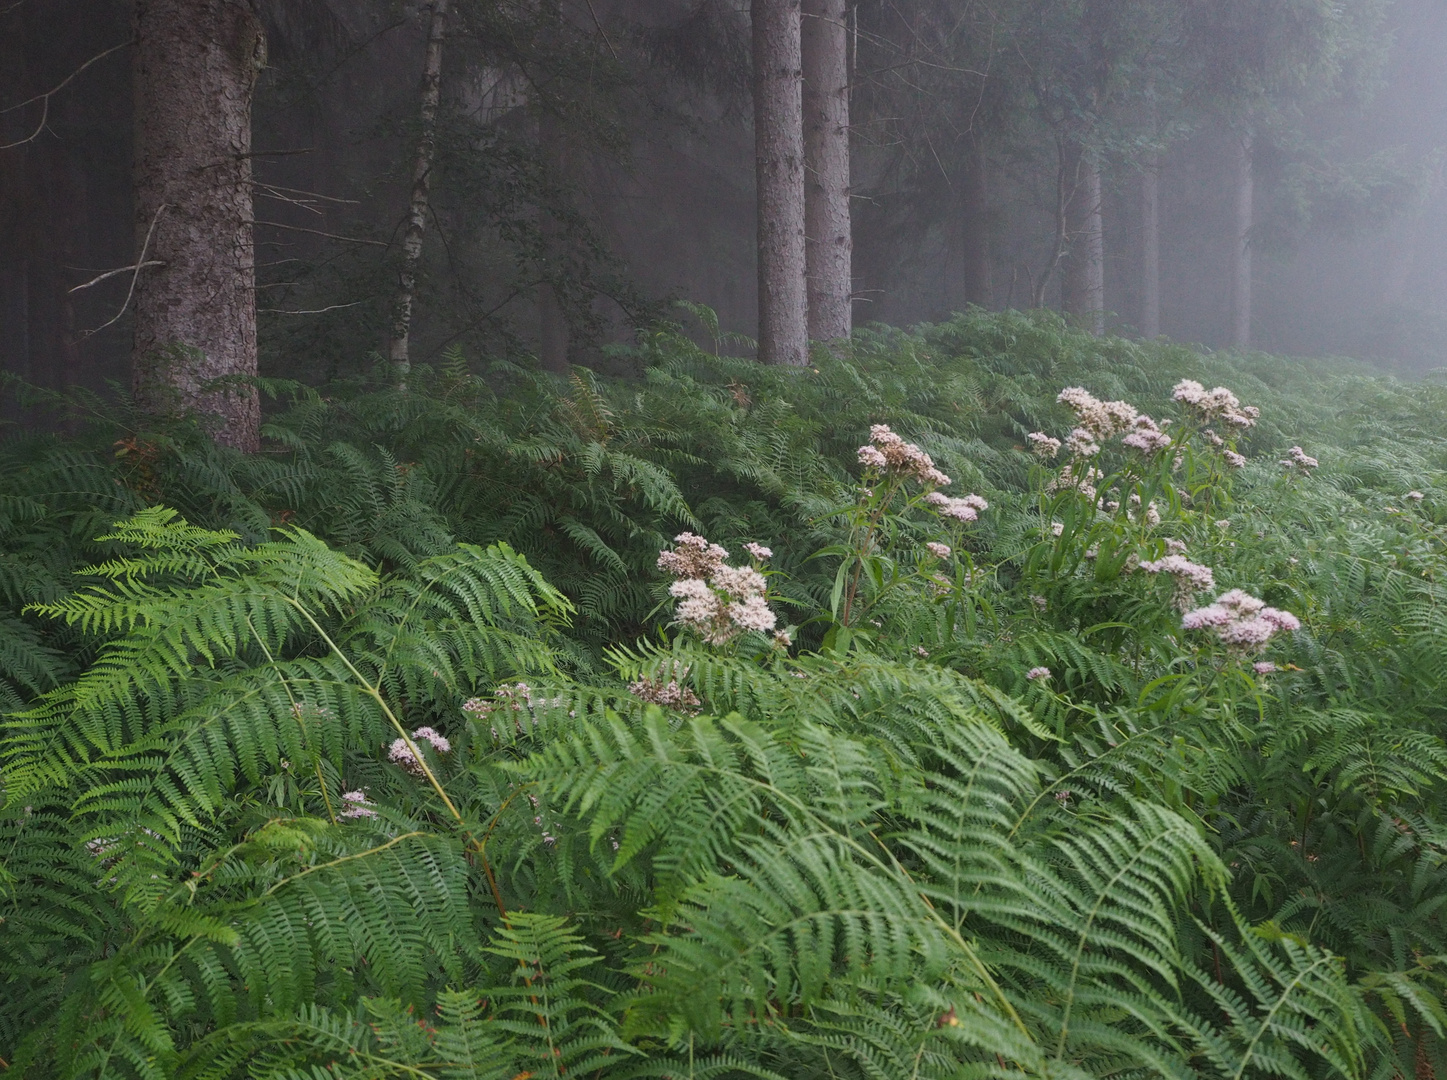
[[314, 232], [45, 97], [308, 194], [140, 262], [316, 311], [112, 273]]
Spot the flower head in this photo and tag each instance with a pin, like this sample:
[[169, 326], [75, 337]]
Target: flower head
[[1043, 446], [938, 550], [1037, 674], [694, 557], [1243, 622], [356, 805]]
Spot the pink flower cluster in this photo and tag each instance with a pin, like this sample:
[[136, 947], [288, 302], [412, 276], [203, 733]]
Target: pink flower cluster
[[966, 509], [1218, 404], [1240, 620], [715, 600], [1095, 418], [399, 753], [1084, 483], [1190, 578], [1298, 459], [938, 550], [1146, 436], [1038, 674], [357, 805], [1414, 496], [1233, 459], [887, 451], [668, 694], [1043, 446]]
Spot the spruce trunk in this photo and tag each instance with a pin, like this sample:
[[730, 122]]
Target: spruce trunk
[[975, 222], [195, 69], [779, 160], [552, 319], [1244, 184], [825, 54], [1083, 287], [1150, 284], [401, 349]]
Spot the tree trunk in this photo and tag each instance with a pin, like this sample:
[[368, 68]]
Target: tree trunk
[[975, 215], [1150, 302], [825, 55], [401, 349], [1083, 287], [195, 68], [552, 320], [1241, 256], [779, 161]]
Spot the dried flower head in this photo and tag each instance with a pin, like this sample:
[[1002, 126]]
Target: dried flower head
[[694, 557], [1299, 460]]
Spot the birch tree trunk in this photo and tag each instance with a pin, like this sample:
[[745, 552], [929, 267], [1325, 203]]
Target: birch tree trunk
[[195, 68], [779, 164], [829, 241], [1083, 287], [1150, 283], [401, 348], [975, 214], [1244, 184]]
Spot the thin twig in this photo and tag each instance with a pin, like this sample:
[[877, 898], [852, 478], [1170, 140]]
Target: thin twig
[[309, 194], [119, 270], [316, 311], [45, 97], [314, 232], [134, 277]]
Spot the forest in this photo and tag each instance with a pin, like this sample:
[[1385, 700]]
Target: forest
[[723, 539]]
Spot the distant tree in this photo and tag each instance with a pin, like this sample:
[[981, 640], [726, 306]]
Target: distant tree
[[828, 236], [195, 69], [779, 165]]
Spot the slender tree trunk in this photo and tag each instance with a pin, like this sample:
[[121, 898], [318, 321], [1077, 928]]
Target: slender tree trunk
[[1150, 284], [552, 320], [779, 161], [1244, 184], [195, 68], [401, 349], [829, 242], [975, 212], [1083, 287]]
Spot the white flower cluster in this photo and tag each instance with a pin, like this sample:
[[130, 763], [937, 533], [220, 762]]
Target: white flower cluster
[[886, 451], [1240, 620], [1414, 496], [1146, 435], [399, 753], [1094, 418], [1190, 578], [357, 805], [715, 600], [966, 509], [1218, 404], [938, 550], [1043, 446], [668, 694], [1299, 460]]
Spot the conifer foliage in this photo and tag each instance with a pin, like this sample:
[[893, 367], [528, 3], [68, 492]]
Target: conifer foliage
[[995, 700]]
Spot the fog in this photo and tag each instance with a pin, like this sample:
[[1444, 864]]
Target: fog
[[596, 163]]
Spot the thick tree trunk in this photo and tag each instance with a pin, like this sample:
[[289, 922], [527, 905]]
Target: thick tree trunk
[[1150, 283], [552, 320], [975, 214], [829, 241], [1083, 287], [195, 69], [401, 348], [779, 161], [1244, 184]]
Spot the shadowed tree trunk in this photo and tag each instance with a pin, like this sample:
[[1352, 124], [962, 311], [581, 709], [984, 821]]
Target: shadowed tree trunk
[[195, 68], [779, 162], [552, 321], [401, 349], [1083, 286], [1244, 184], [1150, 193], [975, 214], [825, 55]]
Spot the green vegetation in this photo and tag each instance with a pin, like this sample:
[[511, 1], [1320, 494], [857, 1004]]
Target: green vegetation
[[392, 751]]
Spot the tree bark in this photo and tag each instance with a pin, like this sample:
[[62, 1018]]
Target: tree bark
[[1244, 184], [552, 320], [779, 163], [401, 348], [1150, 284], [829, 241], [975, 215], [195, 68], [1083, 287]]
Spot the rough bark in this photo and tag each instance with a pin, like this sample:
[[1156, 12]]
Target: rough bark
[[401, 348], [1083, 286], [1244, 185], [195, 68], [975, 223], [1150, 284], [829, 241], [779, 164], [552, 320]]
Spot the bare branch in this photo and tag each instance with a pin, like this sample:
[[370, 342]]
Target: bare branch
[[314, 232], [308, 194], [45, 97], [316, 311], [112, 273], [134, 277]]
